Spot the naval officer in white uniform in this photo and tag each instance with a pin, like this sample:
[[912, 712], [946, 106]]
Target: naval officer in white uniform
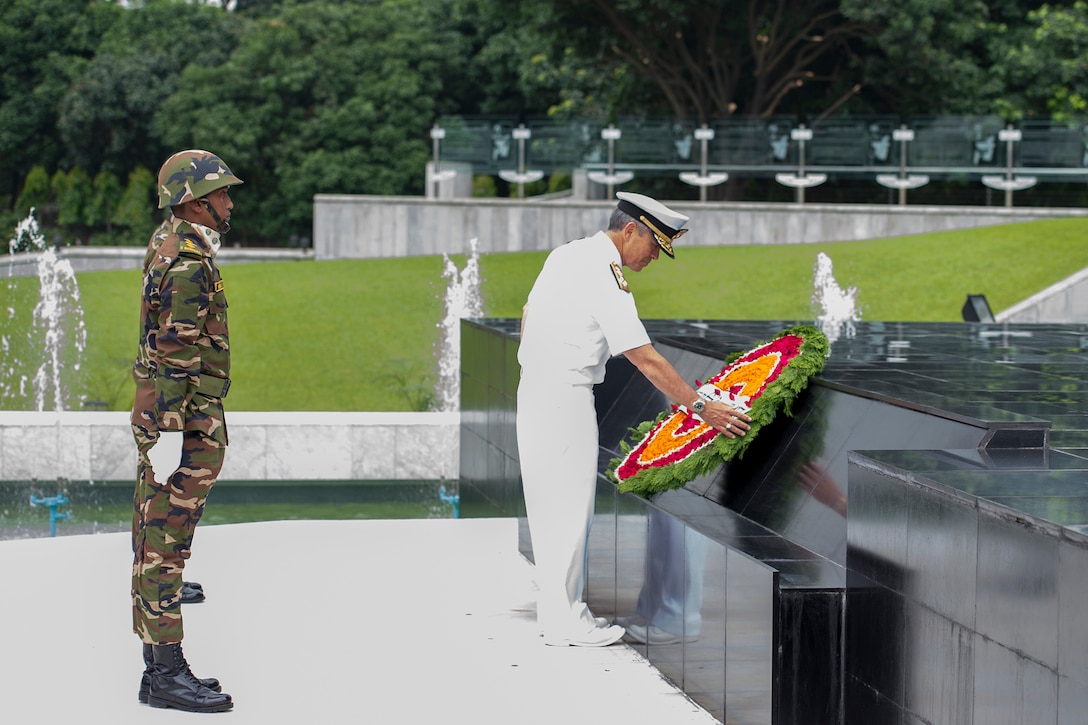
[[579, 313]]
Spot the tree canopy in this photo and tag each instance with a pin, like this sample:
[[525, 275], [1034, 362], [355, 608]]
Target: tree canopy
[[310, 96], [336, 98], [708, 59]]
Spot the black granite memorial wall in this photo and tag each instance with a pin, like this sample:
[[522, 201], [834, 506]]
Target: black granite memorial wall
[[909, 547]]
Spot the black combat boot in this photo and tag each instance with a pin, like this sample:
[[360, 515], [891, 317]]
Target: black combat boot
[[145, 679], [192, 593], [173, 684]]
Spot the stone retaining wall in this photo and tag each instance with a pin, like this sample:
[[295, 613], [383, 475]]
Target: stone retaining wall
[[97, 259], [362, 227], [1063, 302], [279, 446]]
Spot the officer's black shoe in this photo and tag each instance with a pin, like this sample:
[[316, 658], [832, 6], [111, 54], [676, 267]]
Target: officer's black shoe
[[145, 679], [173, 684], [191, 593]]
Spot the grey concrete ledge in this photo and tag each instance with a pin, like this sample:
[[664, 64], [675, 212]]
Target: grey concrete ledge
[[359, 227], [275, 446], [1064, 301], [96, 259]]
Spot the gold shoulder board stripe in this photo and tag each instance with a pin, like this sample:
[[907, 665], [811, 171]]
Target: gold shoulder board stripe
[[618, 274], [189, 247]]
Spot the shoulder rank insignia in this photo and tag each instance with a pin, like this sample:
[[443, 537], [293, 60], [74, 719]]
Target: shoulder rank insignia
[[620, 281], [188, 246]]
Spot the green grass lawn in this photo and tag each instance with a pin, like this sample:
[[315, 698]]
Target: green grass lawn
[[362, 334]]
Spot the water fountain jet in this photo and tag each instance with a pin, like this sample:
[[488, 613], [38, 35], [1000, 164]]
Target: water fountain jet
[[463, 299], [55, 337], [838, 306]]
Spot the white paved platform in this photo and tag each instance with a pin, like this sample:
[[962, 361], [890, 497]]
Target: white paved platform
[[378, 621]]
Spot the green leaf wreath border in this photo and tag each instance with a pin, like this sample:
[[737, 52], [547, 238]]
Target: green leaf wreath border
[[777, 397]]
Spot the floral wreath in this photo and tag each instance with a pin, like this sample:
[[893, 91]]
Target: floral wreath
[[675, 448]]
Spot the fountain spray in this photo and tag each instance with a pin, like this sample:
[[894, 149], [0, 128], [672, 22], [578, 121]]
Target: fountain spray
[[838, 306], [463, 299], [56, 336]]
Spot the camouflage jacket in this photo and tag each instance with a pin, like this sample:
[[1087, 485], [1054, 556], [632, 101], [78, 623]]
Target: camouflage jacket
[[184, 353]]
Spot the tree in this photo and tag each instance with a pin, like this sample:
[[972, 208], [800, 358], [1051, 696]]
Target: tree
[[58, 189], [106, 114], [105, 196], [259, 8], [44, 44], [35, 194], [326, 97], [499, 76], [706, 59], [1045, 65], [135, 209], [933, 56], [74, 200]]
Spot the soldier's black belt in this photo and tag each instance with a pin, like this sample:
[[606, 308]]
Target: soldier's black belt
[[214, 387]]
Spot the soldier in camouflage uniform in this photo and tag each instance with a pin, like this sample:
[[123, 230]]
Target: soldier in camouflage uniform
[[182, 374]]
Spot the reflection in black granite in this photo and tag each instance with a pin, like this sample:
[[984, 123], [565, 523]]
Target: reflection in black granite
[[910, 546]]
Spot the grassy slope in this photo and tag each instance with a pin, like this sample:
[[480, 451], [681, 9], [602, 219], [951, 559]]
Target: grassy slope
[[361, 335], [347, 335], [925, 277]]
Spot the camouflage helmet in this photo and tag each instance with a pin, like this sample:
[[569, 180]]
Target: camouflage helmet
[[192, 174]]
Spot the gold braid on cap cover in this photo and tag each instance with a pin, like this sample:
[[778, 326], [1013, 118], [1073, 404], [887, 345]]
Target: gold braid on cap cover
[[663, 240]]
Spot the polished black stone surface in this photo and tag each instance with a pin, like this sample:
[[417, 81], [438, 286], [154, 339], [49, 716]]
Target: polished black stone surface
[[909, 547]]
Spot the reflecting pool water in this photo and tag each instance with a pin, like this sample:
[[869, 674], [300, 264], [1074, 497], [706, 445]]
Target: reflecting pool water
[[106, 507]]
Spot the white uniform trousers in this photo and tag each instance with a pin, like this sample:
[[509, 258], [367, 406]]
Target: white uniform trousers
[[557, 444]]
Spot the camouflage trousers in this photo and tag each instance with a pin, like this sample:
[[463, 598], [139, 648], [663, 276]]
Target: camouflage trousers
[[163, 521]]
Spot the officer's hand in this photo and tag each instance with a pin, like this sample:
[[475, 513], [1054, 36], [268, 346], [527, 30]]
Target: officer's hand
[[165, 455], [726, 418]]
